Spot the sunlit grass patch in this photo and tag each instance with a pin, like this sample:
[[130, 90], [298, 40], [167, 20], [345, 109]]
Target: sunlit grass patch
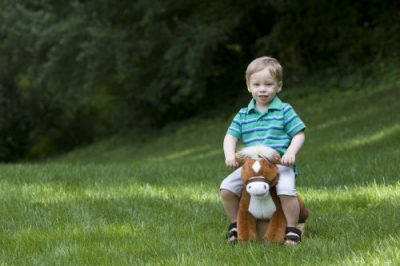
[[374, 193], [375, 137], [384, 251]]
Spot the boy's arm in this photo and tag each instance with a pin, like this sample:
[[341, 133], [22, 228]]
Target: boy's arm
[[229, 151], [289, 158]]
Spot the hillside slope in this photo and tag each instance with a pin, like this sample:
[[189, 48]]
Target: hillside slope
[[353, 129]]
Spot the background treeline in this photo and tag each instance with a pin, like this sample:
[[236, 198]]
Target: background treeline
[[75, 71]]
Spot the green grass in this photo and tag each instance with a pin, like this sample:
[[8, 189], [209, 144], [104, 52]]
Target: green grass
[[154, 200]]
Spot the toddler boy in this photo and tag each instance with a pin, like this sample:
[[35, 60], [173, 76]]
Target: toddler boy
[[267, 121]]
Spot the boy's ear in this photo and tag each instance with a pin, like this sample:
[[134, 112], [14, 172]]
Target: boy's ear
[[280, 84], [240, 158]]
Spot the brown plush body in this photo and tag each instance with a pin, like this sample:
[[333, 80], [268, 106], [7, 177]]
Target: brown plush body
[[273, 228]]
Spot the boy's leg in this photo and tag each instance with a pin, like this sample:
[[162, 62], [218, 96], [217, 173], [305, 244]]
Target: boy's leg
[[290, 204], [230, 201], [291, 209], [230, 190]]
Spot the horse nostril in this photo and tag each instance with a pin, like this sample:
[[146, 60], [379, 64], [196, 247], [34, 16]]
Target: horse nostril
[[249, 187], [265, 187]]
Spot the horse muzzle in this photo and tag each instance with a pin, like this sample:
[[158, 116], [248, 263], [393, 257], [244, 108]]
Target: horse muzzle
[[257, 186]]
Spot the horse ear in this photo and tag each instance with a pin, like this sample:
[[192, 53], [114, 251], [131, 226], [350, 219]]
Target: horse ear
[[240, 158], [275, 158]]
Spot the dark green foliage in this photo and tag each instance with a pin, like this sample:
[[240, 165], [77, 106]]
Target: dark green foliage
[[14, 124], [82, 70]]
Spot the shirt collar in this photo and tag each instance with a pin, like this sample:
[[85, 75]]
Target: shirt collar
[[276, 104]]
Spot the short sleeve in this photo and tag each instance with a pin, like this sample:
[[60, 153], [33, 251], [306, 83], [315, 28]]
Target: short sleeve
[[235, 129], [292, 122]]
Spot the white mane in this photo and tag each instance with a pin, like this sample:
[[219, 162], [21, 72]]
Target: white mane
[[259, 151]]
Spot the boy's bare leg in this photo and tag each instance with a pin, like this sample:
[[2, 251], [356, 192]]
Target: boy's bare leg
[[231, 204], [291, 209]]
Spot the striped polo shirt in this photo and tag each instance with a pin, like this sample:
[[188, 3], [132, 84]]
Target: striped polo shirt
[[274, 128]]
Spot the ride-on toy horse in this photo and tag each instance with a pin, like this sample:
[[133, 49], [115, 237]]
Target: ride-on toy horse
[[260, 213]]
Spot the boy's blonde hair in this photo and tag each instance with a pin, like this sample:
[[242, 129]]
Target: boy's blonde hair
[[261, 63]]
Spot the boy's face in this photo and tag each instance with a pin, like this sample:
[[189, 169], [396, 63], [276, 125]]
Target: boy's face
[[263, 87]]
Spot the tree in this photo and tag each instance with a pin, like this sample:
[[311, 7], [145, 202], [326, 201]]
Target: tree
[[86, 69]]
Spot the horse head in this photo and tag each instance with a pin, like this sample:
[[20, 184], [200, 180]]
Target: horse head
[[259, 170]]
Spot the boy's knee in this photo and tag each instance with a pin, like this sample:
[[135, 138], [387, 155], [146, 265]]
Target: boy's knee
[[227, 194], [288, 197]]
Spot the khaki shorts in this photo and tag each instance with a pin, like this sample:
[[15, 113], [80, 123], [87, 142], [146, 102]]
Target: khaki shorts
[[285, 186]]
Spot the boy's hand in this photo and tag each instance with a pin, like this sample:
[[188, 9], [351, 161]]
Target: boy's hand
[[231, 162], [288, 159]]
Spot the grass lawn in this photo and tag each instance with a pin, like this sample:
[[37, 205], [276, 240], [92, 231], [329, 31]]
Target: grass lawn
[[155, 201]]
